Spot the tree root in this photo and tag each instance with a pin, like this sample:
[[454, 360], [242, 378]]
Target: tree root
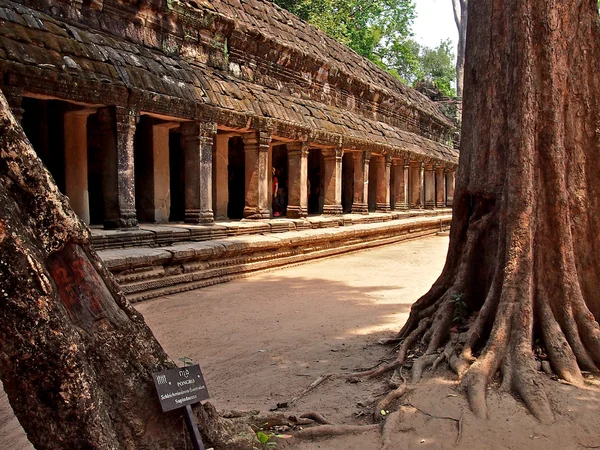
[[406, 345], [315, 416], [310, 388], [420, 365], [390, 426], [386, 401], [332, 430]]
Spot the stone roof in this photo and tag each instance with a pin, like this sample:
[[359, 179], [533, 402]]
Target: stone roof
[[69, 60], [283, 27]]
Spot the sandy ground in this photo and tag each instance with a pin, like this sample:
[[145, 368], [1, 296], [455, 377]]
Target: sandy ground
[[262, 340]]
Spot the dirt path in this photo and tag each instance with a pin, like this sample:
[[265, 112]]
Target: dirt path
[[260, 341]]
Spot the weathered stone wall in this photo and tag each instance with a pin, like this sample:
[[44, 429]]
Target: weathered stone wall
[[243, 65]]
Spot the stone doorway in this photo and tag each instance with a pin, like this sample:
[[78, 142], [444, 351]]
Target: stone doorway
[[176, 177], [347, 182], [59, 133], [279, 180], [235, 176], [316, 194], [373, 182], [143, 169]]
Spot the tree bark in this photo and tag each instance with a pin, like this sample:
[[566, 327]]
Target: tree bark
[[75, 358], [524, 256], [460, 9]]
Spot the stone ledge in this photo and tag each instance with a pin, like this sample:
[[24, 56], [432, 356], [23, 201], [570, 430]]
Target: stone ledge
[[160, 235], [145, 273]]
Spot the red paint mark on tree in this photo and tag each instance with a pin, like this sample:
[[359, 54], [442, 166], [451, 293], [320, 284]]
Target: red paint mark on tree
[[83, 293]]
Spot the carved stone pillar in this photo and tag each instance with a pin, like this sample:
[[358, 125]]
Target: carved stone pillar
[[76, 162], [256, 153], [416, 184], [297, 179], [14, 97], [360, 205], [429, 186], [450, 181], [400, 184], [221, 176], [384, 165], [333, 181], [440, 187], [197, 140], [117, 128]]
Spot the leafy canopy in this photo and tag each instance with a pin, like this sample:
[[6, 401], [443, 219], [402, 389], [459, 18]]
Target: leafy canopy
[[380, 30], [367, 27]]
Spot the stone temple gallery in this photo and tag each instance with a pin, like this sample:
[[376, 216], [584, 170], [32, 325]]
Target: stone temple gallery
[[198, 113]]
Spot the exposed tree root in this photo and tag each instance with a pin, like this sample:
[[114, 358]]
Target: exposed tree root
[[311, 387], [387, 401], [420, 365], [332, 430], [317, 417], [390, 427], [259, 420], [406, 345]]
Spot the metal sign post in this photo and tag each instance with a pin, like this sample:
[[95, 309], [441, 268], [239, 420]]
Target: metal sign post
[[180, 388], [192, 427]]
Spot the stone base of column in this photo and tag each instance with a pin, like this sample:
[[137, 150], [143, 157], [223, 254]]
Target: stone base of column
[[449, 203], [383, 207], [429, 205], [296, 212], [400, 206], [128, 219], [360, 208], [332, 209], [255, 213], [197, 216]]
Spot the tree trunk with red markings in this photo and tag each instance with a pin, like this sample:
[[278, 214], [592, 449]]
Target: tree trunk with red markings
[[75, 358], [524, 256]]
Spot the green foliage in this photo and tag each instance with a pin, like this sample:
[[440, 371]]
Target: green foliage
[[265, 439], [186, 361], [370, 28], [434, 65], [380, 30]]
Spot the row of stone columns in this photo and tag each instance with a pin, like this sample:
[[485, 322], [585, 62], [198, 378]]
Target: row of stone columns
[[116, 132], [416, 184]]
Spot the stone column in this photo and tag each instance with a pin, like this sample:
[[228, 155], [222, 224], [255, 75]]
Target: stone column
[[220, 176], [14, 98], [429, 186], [297, 176], [416, 184], [440, 187], [450, 181], [256, 154], [400, 184], [333, 180], [161, 197], [76, 162], [197, 140], [384, 164], [117, 128], [360, 205]]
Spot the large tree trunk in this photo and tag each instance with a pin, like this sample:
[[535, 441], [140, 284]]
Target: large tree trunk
[[524, 256], [460, 8], [75, 358]]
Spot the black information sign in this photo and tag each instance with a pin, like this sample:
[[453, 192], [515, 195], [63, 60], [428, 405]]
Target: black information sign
[[180, 387]]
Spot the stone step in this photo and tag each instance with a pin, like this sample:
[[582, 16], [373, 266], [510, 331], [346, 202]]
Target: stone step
[[145, 272], [159, 235]]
